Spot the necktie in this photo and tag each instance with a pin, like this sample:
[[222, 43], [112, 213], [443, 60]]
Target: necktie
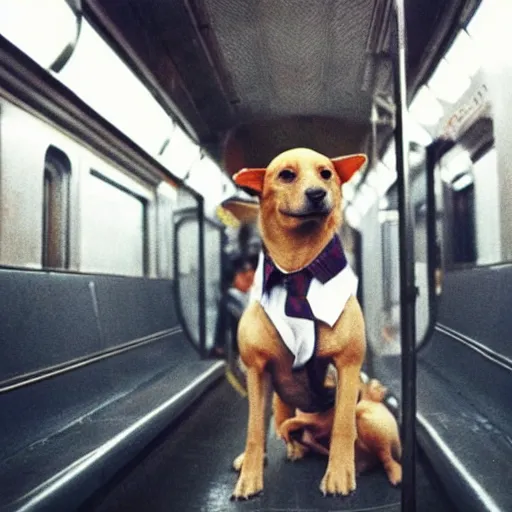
[[326, 265]]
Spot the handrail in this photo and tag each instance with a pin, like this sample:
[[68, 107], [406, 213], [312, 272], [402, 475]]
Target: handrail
[[202, 281], [67, 52], [36, 376], [407, 283]]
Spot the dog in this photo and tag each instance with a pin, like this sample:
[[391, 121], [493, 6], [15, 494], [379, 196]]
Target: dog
[[377, 441], [378, 437], [289, 335]]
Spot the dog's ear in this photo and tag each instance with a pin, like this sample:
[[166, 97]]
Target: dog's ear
[[347, 166], [251, 178], [244, 211]]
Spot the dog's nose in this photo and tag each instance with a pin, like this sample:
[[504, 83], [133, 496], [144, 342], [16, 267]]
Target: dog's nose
[[315, 194]]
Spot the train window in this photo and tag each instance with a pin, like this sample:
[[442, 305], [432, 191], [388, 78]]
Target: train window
[[470, 198], [187, 243], [114, 228], [487, 211], [55, 246], [390, 314], [382, 300], [420, 201], [187, 269], [166, 203], [212, 246], [144, 121]]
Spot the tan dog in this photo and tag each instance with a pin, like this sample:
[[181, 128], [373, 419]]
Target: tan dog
[[300, 213], [377, 433], [378, 438]]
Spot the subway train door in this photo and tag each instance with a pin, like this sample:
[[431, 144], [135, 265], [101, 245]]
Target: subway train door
[[463, 221], [459, 216]]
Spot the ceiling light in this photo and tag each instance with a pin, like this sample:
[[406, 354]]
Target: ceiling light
[[448, 84], [180, 154], [381, 178], [425, 108], [364, 199], [453, 166], [484, 21], [464, 55], [462, 182], [384, 203], [207, 178], [352, 217], [348, 191], [373, 180], [387, 215], [100, 78], [389, 158], [42, 29], [416, 132], [490, 30]]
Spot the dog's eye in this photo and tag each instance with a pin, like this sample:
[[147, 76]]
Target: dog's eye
[[286, 175], [326, 174]]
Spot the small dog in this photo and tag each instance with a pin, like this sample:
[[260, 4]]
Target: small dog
[[307, 315], [378, 437], [377, 433]]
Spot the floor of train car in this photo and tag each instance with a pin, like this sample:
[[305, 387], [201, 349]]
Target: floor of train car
[[188, 468]]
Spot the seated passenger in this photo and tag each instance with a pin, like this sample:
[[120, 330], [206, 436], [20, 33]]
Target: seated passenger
[[244, 276]]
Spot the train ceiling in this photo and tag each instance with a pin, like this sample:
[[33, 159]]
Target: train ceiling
[[249, 79]]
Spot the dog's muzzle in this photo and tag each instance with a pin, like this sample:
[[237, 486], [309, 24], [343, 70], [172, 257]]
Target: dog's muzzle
[[316, 202], [315, 195]]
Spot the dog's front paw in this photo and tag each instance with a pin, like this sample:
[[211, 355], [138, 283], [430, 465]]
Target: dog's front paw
[[249, 484], [295, 451], [339, 480]]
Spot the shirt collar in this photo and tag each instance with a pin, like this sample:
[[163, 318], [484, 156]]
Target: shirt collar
[[330, 262]]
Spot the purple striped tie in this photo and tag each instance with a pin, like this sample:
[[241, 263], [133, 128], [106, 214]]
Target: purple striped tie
[[330, 262]]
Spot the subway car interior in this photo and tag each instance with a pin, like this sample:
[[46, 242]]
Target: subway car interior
[[127, 251]]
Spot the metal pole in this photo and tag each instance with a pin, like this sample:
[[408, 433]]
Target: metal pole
[[202, 278], [407, 279]]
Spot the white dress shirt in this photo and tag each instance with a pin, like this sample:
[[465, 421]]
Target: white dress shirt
[[326, 301]]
